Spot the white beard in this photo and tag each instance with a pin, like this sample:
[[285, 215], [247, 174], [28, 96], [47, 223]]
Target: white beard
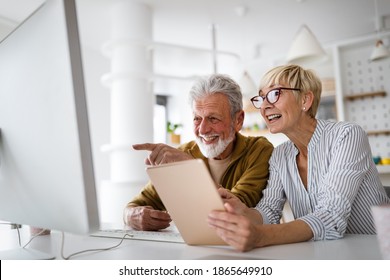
[[214, 150]]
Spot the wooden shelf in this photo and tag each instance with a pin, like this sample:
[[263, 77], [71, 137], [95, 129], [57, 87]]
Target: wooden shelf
[[383, 169], [365, 95], [378, 132]]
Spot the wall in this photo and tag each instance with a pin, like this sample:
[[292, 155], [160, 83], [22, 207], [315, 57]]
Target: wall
[[187, 63], [360, 80]]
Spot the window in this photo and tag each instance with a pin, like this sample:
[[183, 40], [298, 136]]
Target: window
[[160, 119]]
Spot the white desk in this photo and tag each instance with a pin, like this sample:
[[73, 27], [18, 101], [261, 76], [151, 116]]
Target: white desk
[[351, 247]]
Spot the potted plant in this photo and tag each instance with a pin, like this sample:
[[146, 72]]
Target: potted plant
[[172, 131]]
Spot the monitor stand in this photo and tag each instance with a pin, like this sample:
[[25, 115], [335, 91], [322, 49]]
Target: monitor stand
[[24, 254]]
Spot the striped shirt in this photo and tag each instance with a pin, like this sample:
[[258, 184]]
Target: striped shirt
[[342, 183]]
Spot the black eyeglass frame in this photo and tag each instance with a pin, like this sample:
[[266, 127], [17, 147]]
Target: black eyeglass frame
[[266, 96]]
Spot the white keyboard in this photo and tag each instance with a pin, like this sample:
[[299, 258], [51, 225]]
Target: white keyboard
[[163, 236]]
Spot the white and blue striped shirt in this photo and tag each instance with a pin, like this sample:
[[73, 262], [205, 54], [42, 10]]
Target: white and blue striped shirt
[[342, 183]]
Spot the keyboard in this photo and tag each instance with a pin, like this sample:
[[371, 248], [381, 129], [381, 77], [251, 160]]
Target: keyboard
[[162, 236]]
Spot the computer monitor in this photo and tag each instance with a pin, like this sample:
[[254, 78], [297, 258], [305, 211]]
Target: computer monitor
[[46, 168]]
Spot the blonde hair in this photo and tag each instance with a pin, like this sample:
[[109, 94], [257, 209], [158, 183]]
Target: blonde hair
[[295, 77]]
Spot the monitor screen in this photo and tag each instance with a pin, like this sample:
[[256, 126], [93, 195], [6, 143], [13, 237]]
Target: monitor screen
[[46, 169]]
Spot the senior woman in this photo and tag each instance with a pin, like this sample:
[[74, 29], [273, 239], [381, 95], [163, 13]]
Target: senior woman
[[325, 171]]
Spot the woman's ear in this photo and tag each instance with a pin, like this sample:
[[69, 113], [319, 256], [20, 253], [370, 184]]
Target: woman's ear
[[307, 100]]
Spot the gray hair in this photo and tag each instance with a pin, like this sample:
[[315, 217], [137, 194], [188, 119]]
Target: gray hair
[[218, 83]]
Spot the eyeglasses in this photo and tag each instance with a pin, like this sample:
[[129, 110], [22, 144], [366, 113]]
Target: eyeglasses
[[272, 96]]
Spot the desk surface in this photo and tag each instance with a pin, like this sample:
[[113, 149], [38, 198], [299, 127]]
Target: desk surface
[[351, 247]]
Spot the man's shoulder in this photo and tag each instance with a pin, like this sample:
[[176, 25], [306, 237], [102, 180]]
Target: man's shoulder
[[255, 140], [252, 146]]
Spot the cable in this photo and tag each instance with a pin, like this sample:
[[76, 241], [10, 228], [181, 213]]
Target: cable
[[63, 243], [88, 250], [33, 237], [14, 226], [17, 227], [19, 238]]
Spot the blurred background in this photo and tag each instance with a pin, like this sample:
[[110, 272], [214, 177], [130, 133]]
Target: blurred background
[[141, 57]]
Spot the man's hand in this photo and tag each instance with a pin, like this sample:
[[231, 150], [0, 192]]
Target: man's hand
[[161, 153], [146, 218], [234, 201]]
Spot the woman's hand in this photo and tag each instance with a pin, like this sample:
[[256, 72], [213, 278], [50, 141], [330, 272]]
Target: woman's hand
[[234, 228], [233, 200]]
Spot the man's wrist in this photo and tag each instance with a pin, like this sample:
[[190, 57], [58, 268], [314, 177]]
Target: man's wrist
[[127, 212]]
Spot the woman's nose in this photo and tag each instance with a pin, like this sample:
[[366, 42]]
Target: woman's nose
[[266, 105]]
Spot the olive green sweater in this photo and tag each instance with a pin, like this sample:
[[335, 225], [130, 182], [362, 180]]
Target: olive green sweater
[[246, 175]]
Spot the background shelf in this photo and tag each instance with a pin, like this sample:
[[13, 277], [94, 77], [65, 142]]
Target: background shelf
[[365, 95], [379, 132]]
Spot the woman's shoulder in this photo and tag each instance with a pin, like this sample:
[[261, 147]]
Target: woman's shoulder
[[284, 149], [339, 126], [340, 130]]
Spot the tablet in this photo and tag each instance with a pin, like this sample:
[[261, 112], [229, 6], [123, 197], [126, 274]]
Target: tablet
[[189, 194]]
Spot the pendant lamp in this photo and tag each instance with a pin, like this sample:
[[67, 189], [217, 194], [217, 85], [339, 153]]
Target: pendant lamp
[[380, 51], [305, 48], [248, 86]]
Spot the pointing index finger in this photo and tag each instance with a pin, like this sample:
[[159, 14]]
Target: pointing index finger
[[144, 146]]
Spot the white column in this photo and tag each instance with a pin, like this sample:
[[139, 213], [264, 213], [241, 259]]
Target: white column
[[131, 107]]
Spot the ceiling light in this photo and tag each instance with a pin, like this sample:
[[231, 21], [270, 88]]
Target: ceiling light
[[241, 10], [380, 51], [248, 86], [305, 48]]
